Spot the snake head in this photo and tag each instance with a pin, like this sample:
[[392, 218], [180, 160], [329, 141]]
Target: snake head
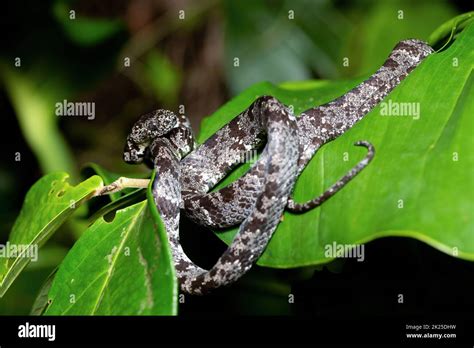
[[149, 127]]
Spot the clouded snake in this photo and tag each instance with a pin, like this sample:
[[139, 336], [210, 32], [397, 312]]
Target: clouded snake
[[185, 172]]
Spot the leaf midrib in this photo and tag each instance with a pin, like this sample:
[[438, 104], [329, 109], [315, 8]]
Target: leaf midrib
[[132, 223]]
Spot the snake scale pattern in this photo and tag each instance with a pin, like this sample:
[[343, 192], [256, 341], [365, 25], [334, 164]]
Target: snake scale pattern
[[186, 173]]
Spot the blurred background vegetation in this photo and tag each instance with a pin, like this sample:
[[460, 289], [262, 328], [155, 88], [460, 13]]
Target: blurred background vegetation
[[181, 52]]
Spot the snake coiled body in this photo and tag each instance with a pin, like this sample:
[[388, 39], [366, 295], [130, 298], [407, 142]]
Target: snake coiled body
[[185, 173]]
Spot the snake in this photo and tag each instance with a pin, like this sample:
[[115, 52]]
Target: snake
[[187, 173]]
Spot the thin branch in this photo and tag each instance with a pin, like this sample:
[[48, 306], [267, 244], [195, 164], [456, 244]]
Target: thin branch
[[122, 183]]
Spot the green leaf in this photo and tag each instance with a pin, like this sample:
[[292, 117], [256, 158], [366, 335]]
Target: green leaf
[[119, 268], [20, 298], [406, 19], [47, 204], [448, 30], [41, 300], [427, 163]]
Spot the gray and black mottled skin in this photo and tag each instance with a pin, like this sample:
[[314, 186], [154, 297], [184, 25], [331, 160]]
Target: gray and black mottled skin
[[186, 173]]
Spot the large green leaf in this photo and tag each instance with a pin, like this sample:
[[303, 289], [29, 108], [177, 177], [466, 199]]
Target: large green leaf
[[420, 183], [406, 19], [47, 204], [123, 267]]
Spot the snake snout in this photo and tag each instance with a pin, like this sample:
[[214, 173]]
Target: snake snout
[[133, 153]]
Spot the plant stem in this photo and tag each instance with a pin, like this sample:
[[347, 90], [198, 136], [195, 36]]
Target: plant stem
[[122, 183]]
